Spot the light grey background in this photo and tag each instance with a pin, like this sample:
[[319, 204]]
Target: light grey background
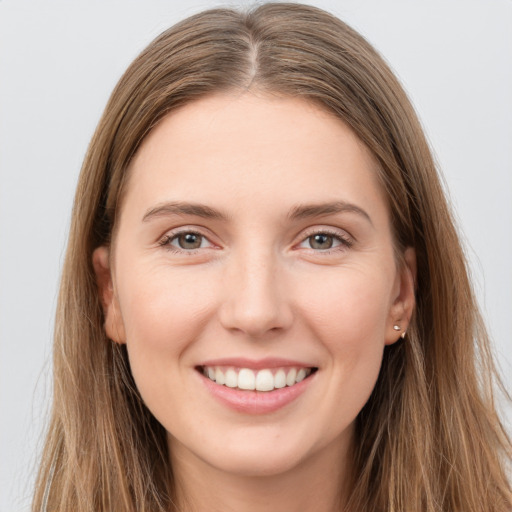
[[59, 60]]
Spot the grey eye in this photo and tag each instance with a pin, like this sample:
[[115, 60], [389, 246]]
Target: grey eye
[[189, 241], [321, 241]]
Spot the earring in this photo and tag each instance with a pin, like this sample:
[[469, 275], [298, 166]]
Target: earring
[[397, 328]]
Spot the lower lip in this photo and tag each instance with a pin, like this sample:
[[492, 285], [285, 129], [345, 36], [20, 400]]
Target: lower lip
[[256, 402]]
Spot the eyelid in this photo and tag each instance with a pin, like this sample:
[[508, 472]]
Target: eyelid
[[164, 240], [346, 240]]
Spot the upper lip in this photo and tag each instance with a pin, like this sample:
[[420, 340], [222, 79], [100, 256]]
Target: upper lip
[[256, 364]]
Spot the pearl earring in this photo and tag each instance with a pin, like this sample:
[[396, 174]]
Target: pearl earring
[[398, 328]]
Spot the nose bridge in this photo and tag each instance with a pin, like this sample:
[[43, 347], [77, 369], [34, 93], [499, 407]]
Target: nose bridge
[[256, 301]]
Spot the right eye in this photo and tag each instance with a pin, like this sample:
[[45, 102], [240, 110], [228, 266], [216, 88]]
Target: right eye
[[322, 241], [186, 241]]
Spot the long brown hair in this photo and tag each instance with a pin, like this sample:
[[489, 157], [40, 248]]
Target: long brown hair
[[429, 438]]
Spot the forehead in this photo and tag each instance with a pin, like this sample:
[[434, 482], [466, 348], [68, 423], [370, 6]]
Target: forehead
[[264, 152]]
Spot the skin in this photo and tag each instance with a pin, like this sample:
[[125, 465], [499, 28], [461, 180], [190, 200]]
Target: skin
[[256, 287]]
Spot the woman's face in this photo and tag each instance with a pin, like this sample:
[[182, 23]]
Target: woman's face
[[254, 249]]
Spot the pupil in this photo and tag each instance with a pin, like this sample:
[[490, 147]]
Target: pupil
[[189, 241], [321, 241]]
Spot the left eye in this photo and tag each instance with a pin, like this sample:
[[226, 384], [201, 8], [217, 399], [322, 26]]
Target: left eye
[[188, 241], [321, 241]]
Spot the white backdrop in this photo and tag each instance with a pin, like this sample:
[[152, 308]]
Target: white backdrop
[[59, 60]]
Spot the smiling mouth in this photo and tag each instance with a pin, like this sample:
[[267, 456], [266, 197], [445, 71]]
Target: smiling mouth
[[266, 379]]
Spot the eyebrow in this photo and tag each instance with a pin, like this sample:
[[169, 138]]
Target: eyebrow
[[318, 210], [182, 208], [299, 212]]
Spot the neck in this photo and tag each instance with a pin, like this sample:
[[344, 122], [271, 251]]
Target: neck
[[316, 484]]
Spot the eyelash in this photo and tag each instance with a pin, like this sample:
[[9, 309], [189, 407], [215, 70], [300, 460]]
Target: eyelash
[[344, 241], [167, 239]]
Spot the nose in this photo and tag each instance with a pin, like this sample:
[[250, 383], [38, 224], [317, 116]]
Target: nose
[[255, 302]]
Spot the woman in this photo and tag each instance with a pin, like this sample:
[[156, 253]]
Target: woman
[[257, 310]]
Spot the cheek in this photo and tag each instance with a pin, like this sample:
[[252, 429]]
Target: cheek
[[349, 316], [164, 312], [161, 307], [348, 309]]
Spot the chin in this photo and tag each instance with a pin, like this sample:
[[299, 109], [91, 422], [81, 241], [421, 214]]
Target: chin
[[258, 463], [250, 454]]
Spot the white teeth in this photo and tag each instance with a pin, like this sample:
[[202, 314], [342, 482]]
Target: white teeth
[[280, 379], [219, 376], [290, 377], [231, 379], [262, 380], [301, 375], [246, 379]]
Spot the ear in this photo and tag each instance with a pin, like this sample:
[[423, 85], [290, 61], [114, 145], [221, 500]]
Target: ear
[[114, 326], [404, 298]]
